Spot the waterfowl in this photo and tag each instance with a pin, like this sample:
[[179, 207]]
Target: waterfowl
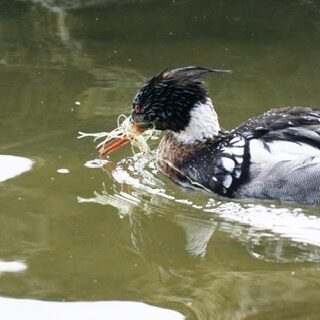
[[275, 155]]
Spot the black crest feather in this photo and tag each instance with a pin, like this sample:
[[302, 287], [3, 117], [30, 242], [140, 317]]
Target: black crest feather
[[189, 72], [167, 99]]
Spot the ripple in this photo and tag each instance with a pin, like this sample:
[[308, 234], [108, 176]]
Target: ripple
[[290, 223], [95, 163], [269, 231]]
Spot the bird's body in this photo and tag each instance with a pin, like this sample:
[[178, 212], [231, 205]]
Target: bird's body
[[275, 155]]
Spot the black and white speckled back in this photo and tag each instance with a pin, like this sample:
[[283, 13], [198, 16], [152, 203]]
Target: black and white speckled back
[[273, 156]]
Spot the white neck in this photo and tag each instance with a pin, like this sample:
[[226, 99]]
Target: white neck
[[203, 124]]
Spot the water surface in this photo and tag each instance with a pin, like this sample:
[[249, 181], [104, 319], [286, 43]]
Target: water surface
[[76, 229]]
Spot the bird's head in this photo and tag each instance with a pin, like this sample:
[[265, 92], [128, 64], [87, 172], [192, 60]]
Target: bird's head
[[174, 100]]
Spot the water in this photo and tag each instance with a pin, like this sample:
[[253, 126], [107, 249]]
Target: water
[[78, 229]]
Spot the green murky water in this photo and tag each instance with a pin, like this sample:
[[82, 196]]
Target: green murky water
[[124, 232]]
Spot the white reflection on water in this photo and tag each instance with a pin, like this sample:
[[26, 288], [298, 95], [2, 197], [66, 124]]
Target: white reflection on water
[[290, 223], [56, 5], [268, 231], [12, 166], [12, 266], [39, 310]]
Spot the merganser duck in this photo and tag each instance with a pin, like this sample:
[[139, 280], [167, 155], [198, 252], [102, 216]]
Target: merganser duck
[[275, 155]]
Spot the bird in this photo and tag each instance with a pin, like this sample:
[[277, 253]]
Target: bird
[[274, 155]]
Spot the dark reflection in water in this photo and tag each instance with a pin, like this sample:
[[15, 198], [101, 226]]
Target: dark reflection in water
[[126, 232]]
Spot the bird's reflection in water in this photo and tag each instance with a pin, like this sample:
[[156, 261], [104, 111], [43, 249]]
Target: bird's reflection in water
[[169, 223], [211, 255]]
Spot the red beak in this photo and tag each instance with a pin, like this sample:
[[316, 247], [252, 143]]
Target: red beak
[[111, 144]]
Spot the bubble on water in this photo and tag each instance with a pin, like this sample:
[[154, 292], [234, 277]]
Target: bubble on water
[[63, 171]]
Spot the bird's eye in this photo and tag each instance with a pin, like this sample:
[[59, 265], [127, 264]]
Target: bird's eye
[[137, 108]]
